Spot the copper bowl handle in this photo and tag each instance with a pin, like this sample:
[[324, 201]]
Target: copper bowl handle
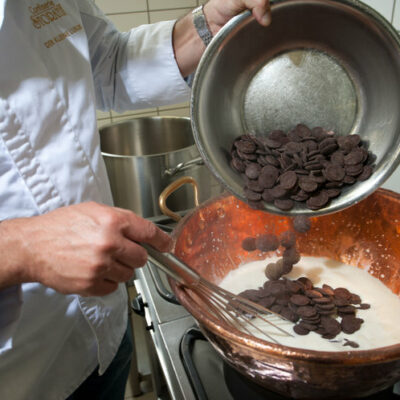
[[172, 187]]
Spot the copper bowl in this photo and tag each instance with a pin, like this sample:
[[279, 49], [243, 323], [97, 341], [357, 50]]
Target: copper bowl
[[365, 235]]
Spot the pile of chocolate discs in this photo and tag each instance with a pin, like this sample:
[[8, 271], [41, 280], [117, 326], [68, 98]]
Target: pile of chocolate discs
[[304, 165], [311, 308], [324, 310]]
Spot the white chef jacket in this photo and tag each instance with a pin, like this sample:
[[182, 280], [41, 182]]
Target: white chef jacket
[[59, 58]]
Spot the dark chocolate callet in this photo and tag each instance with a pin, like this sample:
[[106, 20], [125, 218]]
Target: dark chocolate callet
[[249, 244], [301, 223]]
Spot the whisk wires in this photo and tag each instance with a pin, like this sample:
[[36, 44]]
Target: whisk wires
[[235, 311]]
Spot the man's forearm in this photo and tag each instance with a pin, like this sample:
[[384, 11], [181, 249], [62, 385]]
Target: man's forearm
[[11, 266], [85, 249], [187, 44], [189, 47]]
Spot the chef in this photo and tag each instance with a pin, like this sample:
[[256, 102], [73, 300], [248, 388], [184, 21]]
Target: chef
[[65, 251]]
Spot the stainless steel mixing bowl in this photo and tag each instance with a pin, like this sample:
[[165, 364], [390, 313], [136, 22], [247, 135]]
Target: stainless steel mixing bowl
[[334, 64]]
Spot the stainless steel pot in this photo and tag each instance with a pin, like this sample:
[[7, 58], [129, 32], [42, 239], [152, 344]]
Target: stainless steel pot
[[144, 155]]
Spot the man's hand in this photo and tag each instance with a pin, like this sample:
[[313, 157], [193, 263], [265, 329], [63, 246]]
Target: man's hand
[[85, 249], [188, 46], [219, 12]]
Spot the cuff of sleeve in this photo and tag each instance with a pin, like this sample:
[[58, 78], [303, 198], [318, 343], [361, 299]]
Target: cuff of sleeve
[[152, 72], [10, 311]]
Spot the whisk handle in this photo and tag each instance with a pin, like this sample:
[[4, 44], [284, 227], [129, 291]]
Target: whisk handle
[[172, 266]]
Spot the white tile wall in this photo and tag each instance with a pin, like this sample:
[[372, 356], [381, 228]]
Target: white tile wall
[[127, 116], [396, 15], [176, 112], [115, 115], [180, 105], [163, 4], [165, 15], [384, 7], [102, 114], [121, 6], [103, 122], [125, 22], [127, 14]]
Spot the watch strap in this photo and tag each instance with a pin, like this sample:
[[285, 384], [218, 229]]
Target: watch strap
[[200, 23]]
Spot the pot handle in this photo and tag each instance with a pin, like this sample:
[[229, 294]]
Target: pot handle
[[172, 187], [183, 166]]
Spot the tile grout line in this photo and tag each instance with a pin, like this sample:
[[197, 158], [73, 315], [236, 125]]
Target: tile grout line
[[150, 10], [393, 11]]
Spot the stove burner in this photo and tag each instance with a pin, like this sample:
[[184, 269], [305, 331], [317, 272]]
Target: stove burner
[[241, 388], [186, 352], [212, 378]]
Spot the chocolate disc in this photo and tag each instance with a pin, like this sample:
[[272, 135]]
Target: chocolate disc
[[288, 180], [267, 242], [301, 223], [249, 244]]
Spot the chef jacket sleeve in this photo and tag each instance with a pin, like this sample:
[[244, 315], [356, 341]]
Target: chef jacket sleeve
[[10, 310], [135, 69]]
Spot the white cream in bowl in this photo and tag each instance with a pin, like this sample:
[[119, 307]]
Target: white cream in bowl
[[381, 325]]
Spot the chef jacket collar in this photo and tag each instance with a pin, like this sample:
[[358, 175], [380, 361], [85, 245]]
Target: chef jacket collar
[[2, 7]]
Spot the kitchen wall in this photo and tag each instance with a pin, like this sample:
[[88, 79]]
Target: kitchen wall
[[129, 13]]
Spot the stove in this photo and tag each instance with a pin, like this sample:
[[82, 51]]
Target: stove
[[166, 323], [184, 364]]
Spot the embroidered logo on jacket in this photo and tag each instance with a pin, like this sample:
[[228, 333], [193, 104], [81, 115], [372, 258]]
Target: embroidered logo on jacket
[[45, 13]]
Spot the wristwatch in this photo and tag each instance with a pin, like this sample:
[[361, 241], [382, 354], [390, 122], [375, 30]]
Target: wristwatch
[[200, 23]]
